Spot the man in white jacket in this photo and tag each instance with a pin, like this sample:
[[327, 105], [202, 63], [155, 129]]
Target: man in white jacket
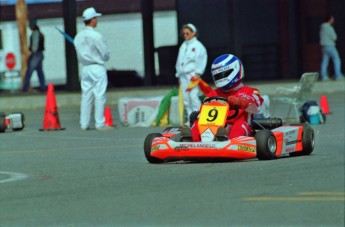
[[92, 52], [328, 38], [190, 65]]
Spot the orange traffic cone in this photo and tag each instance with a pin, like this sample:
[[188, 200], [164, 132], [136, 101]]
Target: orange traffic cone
[[108, 117], [324, 105], [51, 115]]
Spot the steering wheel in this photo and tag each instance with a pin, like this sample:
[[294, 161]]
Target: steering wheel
[[234, 115], [221, 99], [215, 99]]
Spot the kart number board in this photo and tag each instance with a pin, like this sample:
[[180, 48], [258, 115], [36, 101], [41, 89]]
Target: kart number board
[[213, 115]]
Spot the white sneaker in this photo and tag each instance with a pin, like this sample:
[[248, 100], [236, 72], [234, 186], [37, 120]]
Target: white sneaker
[[105, 128]]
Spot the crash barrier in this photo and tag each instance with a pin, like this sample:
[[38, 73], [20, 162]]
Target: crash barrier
[[143, 112], [138, 112], [149, 111]]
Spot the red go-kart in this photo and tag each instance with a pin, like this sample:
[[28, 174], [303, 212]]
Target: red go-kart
[[271, 139]]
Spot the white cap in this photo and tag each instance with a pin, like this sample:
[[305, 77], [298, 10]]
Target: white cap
[[90, 13]]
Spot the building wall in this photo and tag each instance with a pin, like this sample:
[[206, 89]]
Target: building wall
[[124, 36], [275, 39]]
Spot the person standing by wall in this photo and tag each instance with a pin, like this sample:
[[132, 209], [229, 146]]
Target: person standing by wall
[[328, 38], [92, 53], [190, 65], [35, 59]]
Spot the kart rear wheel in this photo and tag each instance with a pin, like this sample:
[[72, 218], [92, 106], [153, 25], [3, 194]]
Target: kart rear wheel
[[2, 122], [147, 148], [308, 140], [266, 145]]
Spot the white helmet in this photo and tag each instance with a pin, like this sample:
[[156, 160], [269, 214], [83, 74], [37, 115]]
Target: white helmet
[[227, 70]]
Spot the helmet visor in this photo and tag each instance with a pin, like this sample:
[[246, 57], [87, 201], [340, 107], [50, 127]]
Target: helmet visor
[[222, 75]]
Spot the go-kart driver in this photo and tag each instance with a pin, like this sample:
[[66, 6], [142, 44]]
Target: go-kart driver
[[227, 72]]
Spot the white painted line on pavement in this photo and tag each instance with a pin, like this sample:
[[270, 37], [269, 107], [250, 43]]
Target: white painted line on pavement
[[12, 177]]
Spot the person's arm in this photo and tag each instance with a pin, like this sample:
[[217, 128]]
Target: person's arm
[[200, 62], [244, 99], [332, 34], [103, 49], [178, 61], [238, 102]]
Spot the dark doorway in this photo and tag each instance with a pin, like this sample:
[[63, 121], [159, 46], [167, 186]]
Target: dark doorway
[[311, 14]]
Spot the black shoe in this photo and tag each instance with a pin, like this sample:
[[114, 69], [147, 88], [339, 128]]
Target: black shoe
[[222, 134]]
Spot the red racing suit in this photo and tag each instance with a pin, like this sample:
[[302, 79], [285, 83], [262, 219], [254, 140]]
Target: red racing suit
[[240, 124]]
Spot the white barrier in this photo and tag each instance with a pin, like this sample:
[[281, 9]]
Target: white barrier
[[142, 112], [138, 112]]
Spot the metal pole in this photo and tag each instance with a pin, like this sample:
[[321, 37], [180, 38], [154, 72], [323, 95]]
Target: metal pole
[[149, 50], [69, 14]]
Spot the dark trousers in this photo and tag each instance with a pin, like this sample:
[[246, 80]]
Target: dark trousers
[[35, 63]]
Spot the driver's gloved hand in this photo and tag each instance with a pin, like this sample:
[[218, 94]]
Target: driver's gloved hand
[[238, 102], [193, 117]]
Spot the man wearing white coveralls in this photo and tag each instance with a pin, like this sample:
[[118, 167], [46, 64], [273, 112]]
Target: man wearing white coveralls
[[92, 52]]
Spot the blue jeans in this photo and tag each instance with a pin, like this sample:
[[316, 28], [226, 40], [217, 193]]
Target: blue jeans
[[327, 53], [35, 63]]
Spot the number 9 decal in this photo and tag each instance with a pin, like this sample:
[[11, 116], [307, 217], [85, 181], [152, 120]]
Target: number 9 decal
[[213, 114]]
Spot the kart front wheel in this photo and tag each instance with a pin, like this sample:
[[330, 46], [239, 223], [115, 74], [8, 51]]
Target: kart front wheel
[[147, 148], [266, 145]]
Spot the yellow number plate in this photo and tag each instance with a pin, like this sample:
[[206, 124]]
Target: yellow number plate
[[213, 115]]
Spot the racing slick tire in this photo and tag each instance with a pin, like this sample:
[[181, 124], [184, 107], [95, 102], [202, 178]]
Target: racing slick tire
[[266, 145], [147, 148], [2, 122], [308, 140]]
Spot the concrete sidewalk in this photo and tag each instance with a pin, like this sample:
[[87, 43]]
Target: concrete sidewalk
[[18, 101]]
